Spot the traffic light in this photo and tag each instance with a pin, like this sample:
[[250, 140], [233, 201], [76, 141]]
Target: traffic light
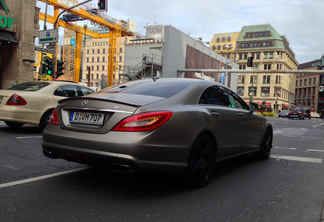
[[59, 68], [321, 88], [102, 5], [48, 66], [250, 61]]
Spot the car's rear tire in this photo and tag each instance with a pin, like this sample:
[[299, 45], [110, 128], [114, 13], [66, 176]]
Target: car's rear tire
[[45, 119], [14, 125], [201, 162], [266, 145]]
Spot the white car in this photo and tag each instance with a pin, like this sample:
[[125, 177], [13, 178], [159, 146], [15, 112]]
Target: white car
[[33, 102], [315, 115]]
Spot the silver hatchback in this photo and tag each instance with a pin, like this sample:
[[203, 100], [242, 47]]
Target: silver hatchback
[[167, 125]]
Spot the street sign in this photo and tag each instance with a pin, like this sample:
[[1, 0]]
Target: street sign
[[48, 36], [43, 49]]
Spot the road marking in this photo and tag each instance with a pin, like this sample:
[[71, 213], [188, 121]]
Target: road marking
[[315, 150], [41, 177], [277, 132], [28, 137], [286, 148], [296, 158]]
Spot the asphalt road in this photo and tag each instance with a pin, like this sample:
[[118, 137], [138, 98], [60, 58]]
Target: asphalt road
[[287, 187]]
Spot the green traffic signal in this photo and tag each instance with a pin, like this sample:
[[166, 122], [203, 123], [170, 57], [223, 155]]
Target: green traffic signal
[[48, 66]]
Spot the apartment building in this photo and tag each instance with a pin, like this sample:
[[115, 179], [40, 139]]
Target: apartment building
[[95, 60], [309, 87], [271, 51]]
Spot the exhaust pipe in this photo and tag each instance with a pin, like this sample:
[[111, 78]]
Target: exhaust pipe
[[120, 168]]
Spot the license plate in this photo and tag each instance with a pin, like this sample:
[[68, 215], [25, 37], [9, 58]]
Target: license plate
[[87, 118]]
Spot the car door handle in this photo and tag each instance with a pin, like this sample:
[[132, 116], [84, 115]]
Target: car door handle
[[215, 114], [240, 114]]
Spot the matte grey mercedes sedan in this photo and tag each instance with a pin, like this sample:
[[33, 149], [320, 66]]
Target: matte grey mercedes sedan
[[176, 125]]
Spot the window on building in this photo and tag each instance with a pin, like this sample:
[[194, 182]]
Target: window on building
[[242, 67], [219, 47], [92, 59], [103, 59], [241, 79], [121, 50], [255, 66], [296, 83], [97, 68], [245, 55], [249, 35], [91, 76], [120, 58], [278, 79], [257, 55], [277, 92], [92, 68], [229, 38], [240, 91], [265, 55], [97, 76], [261, 34], [266, 34], [266, 79], [314, 81], [300, 82], [240, 56], [267, 67], [268, 43], [305, 82], [98, 60], [223, 39], [253, 91], [93, 51], [103, 51], [310, 81], [271, 55], [87, 51], [103, 68], [255, 78], [265, 91], [218, 39], [87, 59]]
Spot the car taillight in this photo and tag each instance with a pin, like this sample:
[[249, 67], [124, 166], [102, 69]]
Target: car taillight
[[54, 119], [143, 122], [16, 100]]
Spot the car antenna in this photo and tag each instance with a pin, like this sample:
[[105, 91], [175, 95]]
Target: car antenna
[[155, 78]]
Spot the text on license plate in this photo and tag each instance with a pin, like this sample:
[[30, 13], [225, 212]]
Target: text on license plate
[[87, 118]]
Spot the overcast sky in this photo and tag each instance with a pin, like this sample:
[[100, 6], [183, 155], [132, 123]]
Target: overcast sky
[[301, 21]]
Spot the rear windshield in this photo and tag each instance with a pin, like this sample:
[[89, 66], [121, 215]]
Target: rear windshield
[[29, 86], [149, 88]]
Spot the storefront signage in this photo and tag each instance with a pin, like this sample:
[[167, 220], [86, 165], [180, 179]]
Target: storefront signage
[[5, 22]]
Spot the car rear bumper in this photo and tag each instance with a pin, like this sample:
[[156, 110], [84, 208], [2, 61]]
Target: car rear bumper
[[130, 154]]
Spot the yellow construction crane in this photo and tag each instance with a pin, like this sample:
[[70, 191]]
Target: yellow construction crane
[[117, 29]]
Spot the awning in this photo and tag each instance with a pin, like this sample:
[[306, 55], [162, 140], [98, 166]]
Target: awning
[[267, 104], [6, 36], [285, 105]]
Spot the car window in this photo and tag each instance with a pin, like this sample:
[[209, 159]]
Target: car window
[[86, 91], [214, 95], [236, 101], [29, 86], [149, 88], [67, 91]]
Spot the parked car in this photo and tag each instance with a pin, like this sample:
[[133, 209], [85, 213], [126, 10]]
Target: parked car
[[283, 114], [33, 102], [174, 125], [296, 113], [315, 115], [307, 113]]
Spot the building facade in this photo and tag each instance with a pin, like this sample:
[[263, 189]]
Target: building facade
[[18, 29], [270, 51], [95, 60], [309, 87]]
